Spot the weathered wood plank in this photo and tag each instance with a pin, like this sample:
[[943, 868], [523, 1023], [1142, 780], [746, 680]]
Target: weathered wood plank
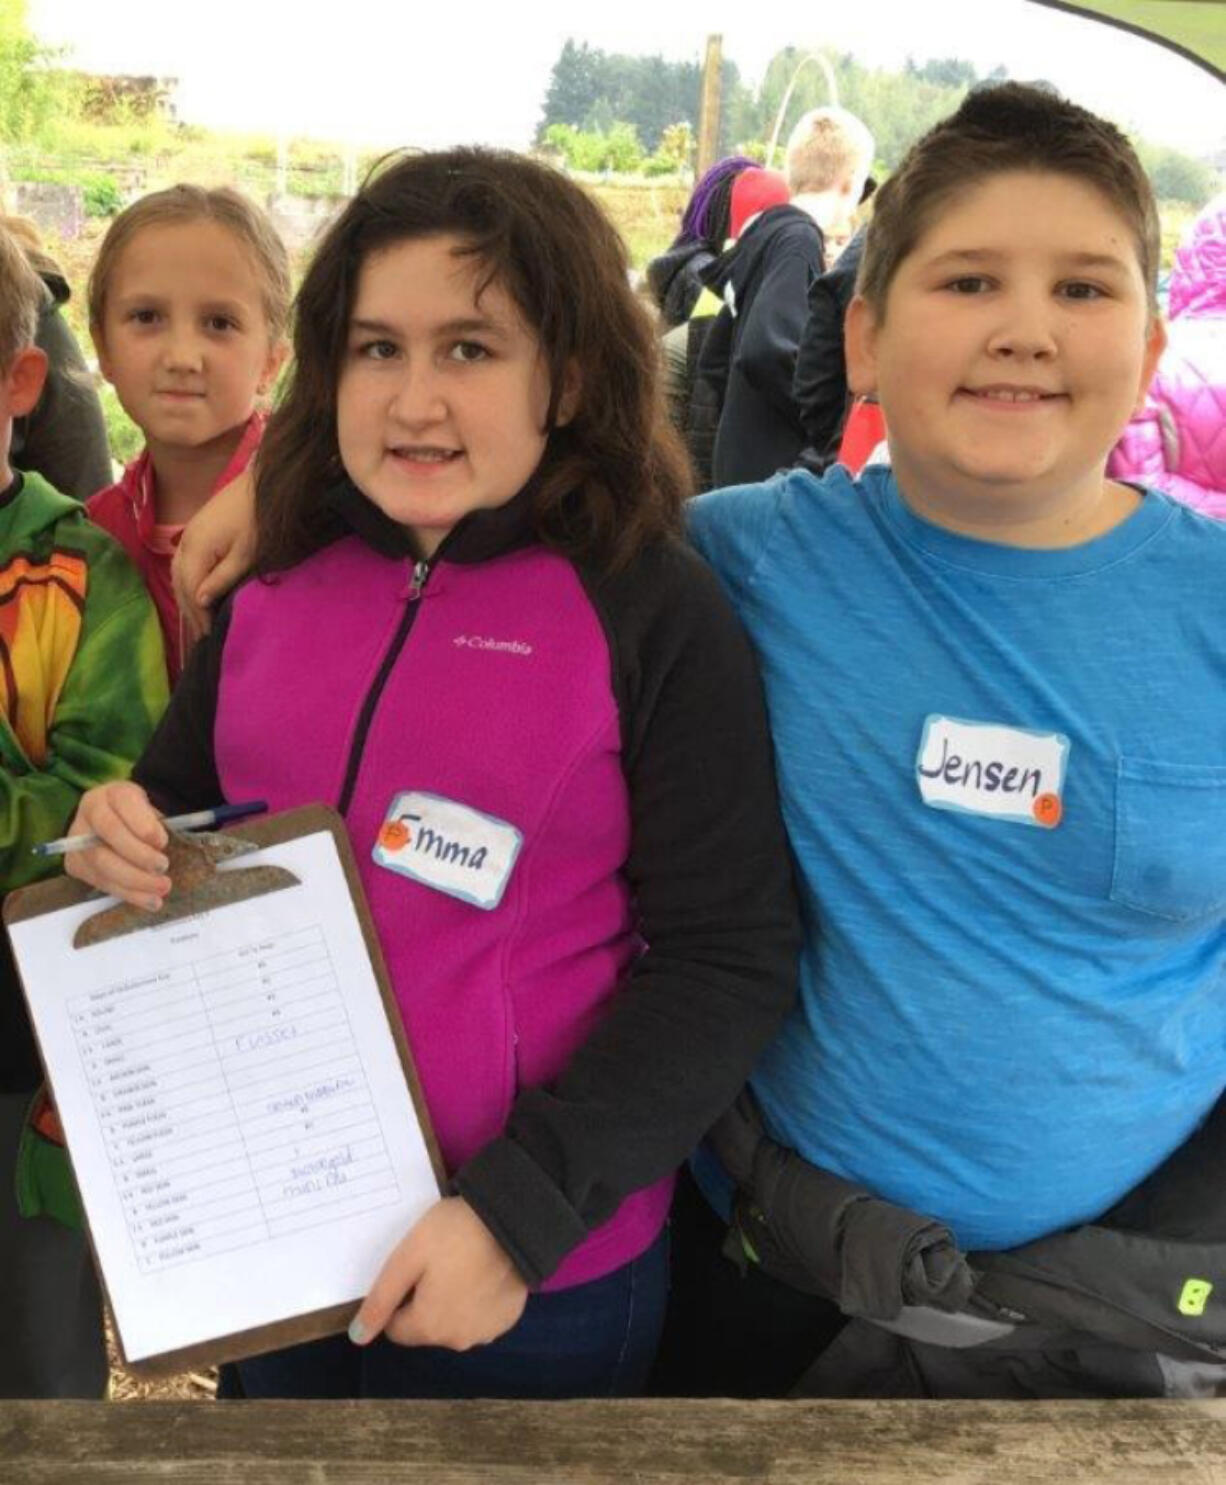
[[605, 1443]]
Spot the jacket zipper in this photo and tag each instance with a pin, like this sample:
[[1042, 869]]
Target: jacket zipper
[[419, 578]]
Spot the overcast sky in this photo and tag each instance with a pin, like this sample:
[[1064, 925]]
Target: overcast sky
[[392, 75]]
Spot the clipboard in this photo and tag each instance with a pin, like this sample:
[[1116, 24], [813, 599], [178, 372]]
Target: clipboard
[[295, 825]]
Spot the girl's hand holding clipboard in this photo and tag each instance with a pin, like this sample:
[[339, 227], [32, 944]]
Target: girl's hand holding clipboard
[[448, 1283]]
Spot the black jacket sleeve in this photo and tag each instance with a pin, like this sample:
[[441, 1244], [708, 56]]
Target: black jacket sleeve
[[707, 393], [821, 371], [712, 883], [770, 335], [820, 385], [177, 769]]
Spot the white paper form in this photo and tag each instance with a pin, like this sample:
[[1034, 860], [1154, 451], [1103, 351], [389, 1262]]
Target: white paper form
[[239, 1121]]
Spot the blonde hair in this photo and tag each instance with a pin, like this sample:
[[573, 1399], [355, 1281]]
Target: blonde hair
[[25, 233], [183, 204], [22, 296], [828, 148]]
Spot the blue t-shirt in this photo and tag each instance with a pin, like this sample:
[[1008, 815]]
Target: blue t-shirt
[[1003, 773]]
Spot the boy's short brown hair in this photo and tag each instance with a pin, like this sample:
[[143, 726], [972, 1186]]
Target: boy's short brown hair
[[21, 298], [184, 204], [1010, 126], [827, 148]]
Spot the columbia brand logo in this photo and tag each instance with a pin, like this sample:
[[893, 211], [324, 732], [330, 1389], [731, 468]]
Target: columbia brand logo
[[484, 642]]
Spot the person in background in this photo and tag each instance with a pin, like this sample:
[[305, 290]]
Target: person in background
[[749, 359], [63, 437], [1177, 442], [675, 277], [819, 386], [188, 302], [82, 682], [753, 192]]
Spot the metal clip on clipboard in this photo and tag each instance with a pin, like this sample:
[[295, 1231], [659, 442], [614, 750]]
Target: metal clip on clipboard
[[197, 886]]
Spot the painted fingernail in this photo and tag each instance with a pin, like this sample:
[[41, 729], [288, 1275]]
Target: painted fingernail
[[357, 1332], [162, 863], [153, 903]]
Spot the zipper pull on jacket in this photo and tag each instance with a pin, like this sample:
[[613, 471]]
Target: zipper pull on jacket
[[419, 573]]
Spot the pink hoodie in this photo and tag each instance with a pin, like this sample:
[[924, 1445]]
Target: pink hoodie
[[1177, 442]]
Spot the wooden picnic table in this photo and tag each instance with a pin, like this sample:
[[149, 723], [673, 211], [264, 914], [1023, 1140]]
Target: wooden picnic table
[[613, 1443]]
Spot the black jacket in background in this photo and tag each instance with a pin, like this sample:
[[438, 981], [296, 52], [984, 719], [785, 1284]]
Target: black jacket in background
[[764, 283], [64, 439], [708, 350], [820, 384], [675, 280]]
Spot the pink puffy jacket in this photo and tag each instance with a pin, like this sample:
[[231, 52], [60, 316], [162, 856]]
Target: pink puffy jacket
[[1177, 442]]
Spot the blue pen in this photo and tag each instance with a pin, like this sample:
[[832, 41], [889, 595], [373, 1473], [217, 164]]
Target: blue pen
[[200, 820]]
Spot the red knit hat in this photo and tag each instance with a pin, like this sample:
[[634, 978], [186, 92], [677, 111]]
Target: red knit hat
[[753, 191]]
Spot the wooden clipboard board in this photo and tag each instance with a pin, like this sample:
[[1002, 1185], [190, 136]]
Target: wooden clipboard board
[[61, 892]]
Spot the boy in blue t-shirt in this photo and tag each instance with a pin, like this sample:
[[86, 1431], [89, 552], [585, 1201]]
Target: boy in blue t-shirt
[[997, 687]]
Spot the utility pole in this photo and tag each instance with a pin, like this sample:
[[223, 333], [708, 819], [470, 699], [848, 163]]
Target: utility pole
[[708, 118]]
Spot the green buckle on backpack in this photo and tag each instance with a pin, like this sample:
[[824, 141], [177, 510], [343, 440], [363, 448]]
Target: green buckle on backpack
[[1194, 1296]]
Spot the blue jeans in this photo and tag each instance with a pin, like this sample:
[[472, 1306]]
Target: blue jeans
[[595, 1340]]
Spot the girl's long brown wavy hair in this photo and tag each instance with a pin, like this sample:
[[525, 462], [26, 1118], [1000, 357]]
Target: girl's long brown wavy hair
[[611, 479]]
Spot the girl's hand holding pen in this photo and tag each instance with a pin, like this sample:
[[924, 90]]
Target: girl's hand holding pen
[[129, 862]]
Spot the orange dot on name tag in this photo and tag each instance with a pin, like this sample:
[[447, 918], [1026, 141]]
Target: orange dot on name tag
[[1048, 810], [394, 835]]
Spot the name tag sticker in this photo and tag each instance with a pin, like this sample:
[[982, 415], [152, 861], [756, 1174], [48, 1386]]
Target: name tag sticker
[[447, 846], [983, 768]]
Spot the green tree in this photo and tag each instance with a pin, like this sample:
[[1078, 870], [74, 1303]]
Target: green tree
[[788, 68], [945, 72], [676, 147], [600, 118], [737, 110], [574, 86], [1176, 176], [592, 90], [32, 92], [623, 152], [897, 108]]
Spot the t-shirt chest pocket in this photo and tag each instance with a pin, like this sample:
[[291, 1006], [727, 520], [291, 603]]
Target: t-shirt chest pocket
[[1170, 838]]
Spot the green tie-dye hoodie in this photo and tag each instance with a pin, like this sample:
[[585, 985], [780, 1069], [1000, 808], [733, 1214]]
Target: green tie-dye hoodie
[[82, 685]]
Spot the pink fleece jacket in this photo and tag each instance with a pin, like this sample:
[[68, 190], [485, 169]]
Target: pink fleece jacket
[[1177, 442]]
